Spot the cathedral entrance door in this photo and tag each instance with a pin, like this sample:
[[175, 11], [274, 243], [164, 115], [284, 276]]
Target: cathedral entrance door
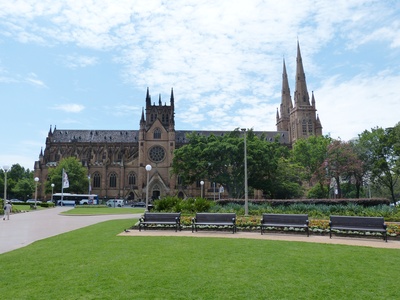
[[156, 195]]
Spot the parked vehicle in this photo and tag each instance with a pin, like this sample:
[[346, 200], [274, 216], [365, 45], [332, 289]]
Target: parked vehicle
[[16, 201], [32, 201], [139, 204], [115, 203]]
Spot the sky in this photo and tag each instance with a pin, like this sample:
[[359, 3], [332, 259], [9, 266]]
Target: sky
[[86, 64]]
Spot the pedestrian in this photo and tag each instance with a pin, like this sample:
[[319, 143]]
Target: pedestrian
[[7, 210]]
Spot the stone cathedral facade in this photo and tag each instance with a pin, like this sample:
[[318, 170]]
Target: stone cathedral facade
[[116, 159]]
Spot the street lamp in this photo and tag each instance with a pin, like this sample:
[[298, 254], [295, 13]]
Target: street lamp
[[201, 192], [5, 168], [148, 169], [89, 188], [246, 188], [214, 190], [36, 184], [52, 191]]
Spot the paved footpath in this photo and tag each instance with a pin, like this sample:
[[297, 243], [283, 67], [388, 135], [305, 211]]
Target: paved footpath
[[24, 228]]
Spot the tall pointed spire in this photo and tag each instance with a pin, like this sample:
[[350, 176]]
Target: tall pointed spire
[[172, 100], [159, 100], [142, 120], [312, 99], [148, 97], [301, 96], [286, 103]]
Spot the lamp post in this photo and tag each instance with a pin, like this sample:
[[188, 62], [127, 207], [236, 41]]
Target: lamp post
[[52, 191], [89, 184], [201, 191], [148, 169], [36, 184], [214, 191], [246, 188], [5, 168]]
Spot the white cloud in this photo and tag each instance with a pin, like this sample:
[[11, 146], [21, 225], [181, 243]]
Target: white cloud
[[364, 102], [33, 79], [70, 108], [79, 61]]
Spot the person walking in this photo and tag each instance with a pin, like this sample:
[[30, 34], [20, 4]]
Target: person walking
[[7, 210]]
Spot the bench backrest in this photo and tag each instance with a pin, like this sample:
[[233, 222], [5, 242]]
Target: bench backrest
[[285, 218], [166, 217], [216, 217], [362, 222]]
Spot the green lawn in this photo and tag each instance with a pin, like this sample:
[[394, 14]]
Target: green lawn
[[94, 263]]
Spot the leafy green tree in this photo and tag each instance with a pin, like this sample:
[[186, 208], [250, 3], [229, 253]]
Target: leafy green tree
[[310, 153], [24, 187], [14, 175], [288, 180], [220, 159], [214, 158], [77, 176], [381, 150]]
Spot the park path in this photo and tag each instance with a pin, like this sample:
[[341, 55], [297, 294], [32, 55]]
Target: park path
[[24, 228]]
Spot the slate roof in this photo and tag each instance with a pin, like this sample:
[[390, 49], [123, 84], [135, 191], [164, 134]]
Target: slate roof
[[132, 136]]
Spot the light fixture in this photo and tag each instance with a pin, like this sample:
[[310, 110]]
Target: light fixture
[[148, 169]]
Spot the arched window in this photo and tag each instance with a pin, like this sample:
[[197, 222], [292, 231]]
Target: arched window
[[132, 179], [304, 127], [310, 127], [96, 180], [113, 180], [157, 133]]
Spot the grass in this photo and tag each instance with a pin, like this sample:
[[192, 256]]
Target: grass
[[103, 211], [94, 263]]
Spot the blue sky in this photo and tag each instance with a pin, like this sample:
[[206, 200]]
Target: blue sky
[[86, 64]]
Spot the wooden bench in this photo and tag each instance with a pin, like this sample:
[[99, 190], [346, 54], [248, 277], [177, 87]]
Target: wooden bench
[[350, 223], [160, 219], [285, 220], [214, 219]]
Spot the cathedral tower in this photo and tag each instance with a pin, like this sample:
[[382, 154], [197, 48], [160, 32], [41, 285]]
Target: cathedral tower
[[299, 119]]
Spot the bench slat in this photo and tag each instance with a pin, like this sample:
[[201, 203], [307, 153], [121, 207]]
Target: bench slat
[[214, 219], [285, 220], [160, 219], [356, 223]]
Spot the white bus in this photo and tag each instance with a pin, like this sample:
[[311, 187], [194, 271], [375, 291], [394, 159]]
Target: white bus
[[75, 199]]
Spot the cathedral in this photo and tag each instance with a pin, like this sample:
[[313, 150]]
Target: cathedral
[[116, 160]]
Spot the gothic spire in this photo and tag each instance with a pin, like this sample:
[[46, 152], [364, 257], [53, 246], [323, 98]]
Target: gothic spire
[[142, 120], [172, 100], [301, 96], [159, 100], [312, 99], [148, 98]]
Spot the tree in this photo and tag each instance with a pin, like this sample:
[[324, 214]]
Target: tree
[[24, 188], [215, 158], [77, 176], [381, 150], [14, 176], [341, 163], [220, 159], [311, 153]]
